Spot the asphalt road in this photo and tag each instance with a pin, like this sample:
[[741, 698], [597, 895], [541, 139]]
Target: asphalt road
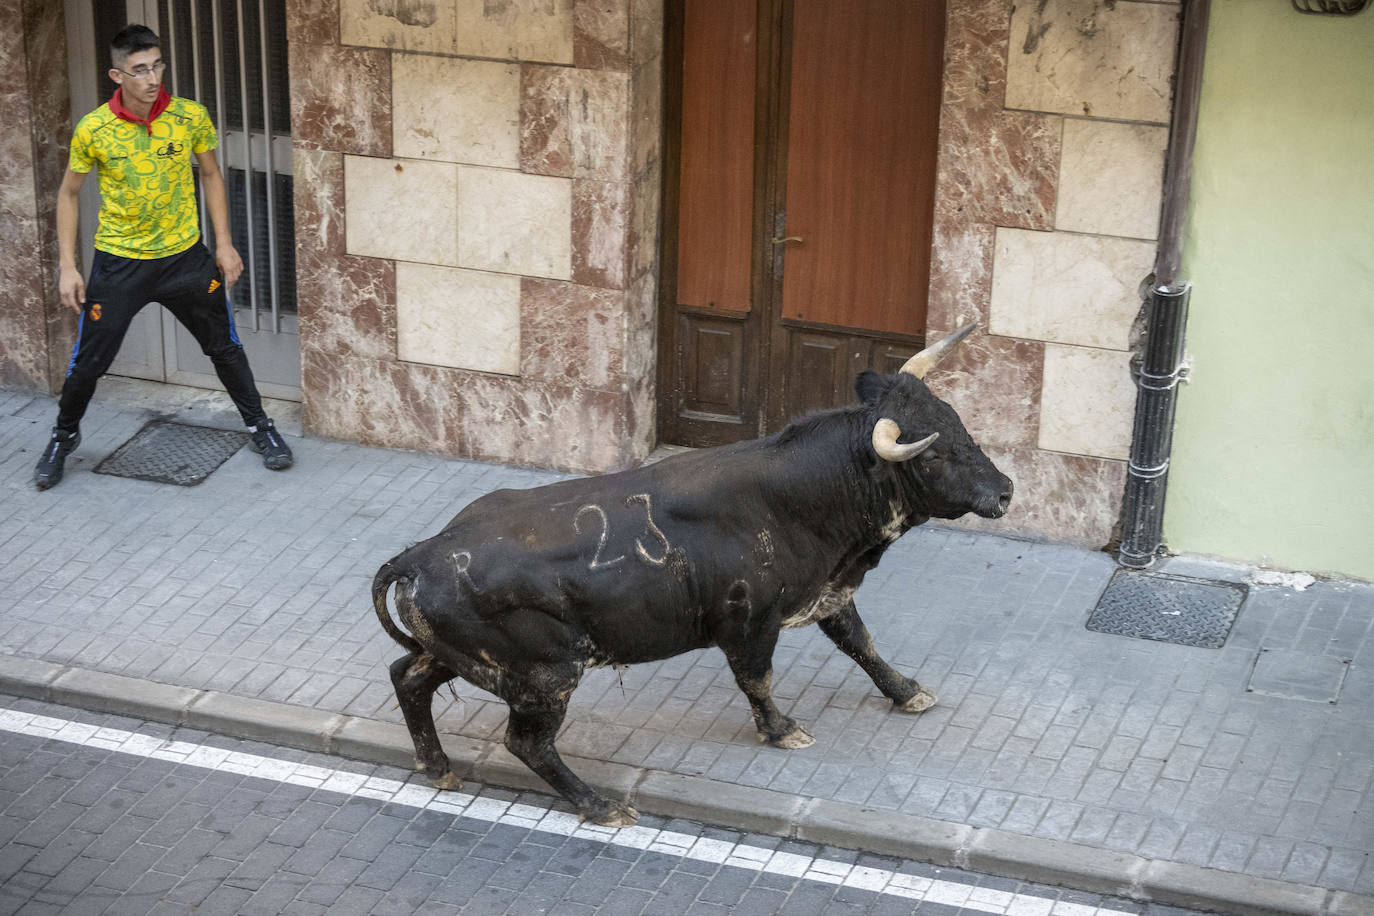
[[104, 814]]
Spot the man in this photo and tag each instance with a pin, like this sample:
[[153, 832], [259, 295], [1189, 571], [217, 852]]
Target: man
[[147, 246]]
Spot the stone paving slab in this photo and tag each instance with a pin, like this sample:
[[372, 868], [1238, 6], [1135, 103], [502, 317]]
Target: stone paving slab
[[255, 585]]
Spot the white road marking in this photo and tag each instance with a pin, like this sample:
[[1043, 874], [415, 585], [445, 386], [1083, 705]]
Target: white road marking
[[492, 810]]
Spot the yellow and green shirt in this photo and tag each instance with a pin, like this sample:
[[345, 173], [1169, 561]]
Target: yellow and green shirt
[[147, 191]]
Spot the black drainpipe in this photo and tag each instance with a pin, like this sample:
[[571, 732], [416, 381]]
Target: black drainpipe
[[1161, 365]]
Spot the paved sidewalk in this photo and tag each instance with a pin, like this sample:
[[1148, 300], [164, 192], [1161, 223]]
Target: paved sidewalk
[[1055, 753]]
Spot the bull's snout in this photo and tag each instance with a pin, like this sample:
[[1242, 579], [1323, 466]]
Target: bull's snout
[[998, 499]]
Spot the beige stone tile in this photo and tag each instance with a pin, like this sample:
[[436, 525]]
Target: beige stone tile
[[1067, 288], [1111, 178], [406, 25], [456, 110], [1085, 57], [464, 319], [1087, 403], [514, 223], [405, 209], [516, 29]]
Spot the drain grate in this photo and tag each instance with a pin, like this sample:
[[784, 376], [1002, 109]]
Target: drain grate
[[1176, 609], [177, 453]]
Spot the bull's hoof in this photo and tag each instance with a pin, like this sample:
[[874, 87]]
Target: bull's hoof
[[448, 782], [613, 815], [922, 701], [796, 738]]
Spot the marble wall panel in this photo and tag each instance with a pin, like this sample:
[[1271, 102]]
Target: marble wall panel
[[381, 402], [406, 25], [646, 116], [45, 44], [571, 429], [600, 226], [646, 30], [318, 192], [334, 93], [998, 166], [23, 320], [464, 319], [572, 335], [646, 210], [348, 308], [976, 33], [402, 209], [1066, 288], [601, 34], [994, 385], [514, 223], [1097, 58], [312, 22], [455, 412], [960, 271], [1111, 180], [641, 331], [1088, 404], [536, 30], [575, 123], [456, 110], [1068, 498]]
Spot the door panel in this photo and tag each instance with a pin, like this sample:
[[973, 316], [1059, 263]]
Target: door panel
[[712, 364], [862, 122], [798, 205], [716, 214]]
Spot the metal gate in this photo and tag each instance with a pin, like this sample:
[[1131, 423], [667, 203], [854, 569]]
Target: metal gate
[[229, 55]]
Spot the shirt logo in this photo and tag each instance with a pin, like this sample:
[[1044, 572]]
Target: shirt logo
[[95, 311], [214, 285], [170, 150]]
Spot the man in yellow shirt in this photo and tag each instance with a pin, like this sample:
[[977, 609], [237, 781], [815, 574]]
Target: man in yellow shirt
[[148, 246]]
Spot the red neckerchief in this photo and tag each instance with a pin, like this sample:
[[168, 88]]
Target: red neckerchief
[[164, 98]]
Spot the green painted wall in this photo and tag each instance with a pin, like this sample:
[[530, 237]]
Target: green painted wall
[[1274, 447]]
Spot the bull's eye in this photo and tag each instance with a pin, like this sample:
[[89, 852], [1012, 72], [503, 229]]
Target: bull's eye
[[931, 462]]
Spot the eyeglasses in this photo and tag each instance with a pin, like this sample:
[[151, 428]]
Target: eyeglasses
[[142, 73]]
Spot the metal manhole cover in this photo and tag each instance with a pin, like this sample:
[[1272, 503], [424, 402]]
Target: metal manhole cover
[[1176, 609], [1294, 675], [177, 453]]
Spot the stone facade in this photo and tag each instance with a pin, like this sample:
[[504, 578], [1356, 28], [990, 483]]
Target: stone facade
[[477, 213], [477, 201], [1052, 141]]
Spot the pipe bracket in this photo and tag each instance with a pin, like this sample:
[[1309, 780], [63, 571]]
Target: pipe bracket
[[1149, 473]]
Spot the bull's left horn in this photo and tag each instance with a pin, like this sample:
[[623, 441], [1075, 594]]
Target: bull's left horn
[[928, 358], [885, 435]]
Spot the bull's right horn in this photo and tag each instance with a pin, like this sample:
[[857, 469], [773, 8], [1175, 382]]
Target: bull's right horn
[[885, 435], [928, 358]]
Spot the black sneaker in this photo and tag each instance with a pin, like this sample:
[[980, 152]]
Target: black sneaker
[[48, 473], [267, 442]]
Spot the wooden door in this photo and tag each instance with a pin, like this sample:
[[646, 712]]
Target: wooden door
[[799, 191]]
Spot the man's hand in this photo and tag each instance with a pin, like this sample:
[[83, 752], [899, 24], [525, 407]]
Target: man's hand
[[72, 288], [230, 264]]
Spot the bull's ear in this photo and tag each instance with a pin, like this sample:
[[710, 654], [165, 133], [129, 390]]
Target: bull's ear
[[870, 386]]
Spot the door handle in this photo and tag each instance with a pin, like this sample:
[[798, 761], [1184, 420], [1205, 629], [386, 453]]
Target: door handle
[[790, 238]]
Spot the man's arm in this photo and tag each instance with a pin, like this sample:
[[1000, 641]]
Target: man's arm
[[69, 283], [217, 202]]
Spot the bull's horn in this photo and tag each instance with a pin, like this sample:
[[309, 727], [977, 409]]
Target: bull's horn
[[928, 358], [885, 435]]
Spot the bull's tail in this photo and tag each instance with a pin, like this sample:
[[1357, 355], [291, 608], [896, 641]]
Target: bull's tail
[[380, 583]]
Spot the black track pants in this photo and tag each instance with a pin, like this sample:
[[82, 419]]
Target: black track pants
[[190, 287]]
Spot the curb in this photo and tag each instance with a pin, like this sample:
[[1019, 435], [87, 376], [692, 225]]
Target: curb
[[666, 794]]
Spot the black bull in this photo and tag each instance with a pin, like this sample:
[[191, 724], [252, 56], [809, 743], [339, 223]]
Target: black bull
[[525, 589]]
